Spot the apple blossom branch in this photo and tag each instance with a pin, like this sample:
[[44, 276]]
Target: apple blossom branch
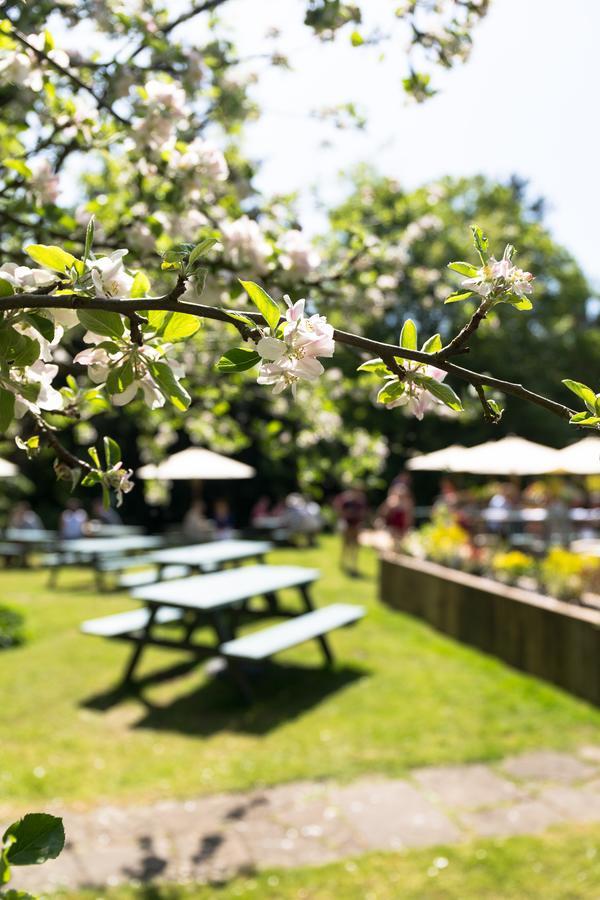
[[390, 353]]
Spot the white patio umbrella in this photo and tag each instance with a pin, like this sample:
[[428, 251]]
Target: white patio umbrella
[[197, 464], [438, 461], [508, 456], [7, 469], [582, 458]]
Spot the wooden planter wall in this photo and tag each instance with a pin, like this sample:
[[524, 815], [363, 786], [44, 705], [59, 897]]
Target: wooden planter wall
[[557, 641]]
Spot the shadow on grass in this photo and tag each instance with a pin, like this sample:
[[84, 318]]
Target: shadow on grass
[[281, 694]]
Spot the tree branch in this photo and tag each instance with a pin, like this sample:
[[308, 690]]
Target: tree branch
[[67, 73], [171, 303], [458, 343]]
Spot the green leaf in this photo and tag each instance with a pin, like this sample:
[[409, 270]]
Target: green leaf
[[584, 418], [200, 249], [27, 353], [7, 409], [583, 392], [112, 451], [238, 360], [180, 326], [356, 39], [44, 326], [120, 378], [464, 268], [517, 302], [54, 258], [480, 241], [19, 166], [390, 391], [140, 286], [6, 288], [94, 456], [408, 335], [441, 391], [374, 366], [156, 318], [432, 344], [37, 837], [168, 385], [4, 868], [89, 238], [98, 321], [265, 304], [454, 298]]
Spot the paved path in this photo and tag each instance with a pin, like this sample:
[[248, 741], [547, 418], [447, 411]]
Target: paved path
[[309, 823]]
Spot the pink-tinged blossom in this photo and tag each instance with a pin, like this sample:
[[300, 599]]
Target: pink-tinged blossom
[[44, 181], [295, 357]]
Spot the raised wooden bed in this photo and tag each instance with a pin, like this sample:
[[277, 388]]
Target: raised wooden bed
[[557, 641]]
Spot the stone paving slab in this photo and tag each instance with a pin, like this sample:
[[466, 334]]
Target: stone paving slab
[[467, 787], [548, 765], [213, 838], [526, 817]]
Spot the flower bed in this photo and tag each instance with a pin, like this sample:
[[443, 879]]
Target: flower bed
[[549, 638]]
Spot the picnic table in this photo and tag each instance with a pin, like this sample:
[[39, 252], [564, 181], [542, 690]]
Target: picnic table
[[223, 601], [93, 550], [177, 562]]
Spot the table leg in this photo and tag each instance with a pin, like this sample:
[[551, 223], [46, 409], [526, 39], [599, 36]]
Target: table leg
[[139, 648], [322, 640]]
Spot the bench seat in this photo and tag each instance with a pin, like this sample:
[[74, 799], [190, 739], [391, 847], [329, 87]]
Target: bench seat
[[263, 644], [128, 622]]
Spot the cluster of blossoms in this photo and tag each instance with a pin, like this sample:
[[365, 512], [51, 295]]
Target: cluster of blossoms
[[415, 398], [294, 356], [201, 158], [106, 356], [164, 111], [500, 276], [43, 182], [21, 66], [244, 243], [297, 254]]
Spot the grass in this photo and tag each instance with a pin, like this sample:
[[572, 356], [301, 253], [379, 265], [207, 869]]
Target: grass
[[400, 696], [562, 865]]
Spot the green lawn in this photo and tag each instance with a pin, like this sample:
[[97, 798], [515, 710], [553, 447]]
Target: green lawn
[[401, 696], [562, 865]]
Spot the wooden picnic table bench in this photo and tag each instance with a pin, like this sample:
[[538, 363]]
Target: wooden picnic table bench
[[221, 601]]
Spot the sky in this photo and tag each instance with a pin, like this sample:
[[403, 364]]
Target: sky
[[526, 102]]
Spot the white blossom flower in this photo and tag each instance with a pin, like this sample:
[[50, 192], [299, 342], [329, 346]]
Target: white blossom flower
[[21, 277], [110, 277], [297, 254], [244, 242], [40, 375]]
